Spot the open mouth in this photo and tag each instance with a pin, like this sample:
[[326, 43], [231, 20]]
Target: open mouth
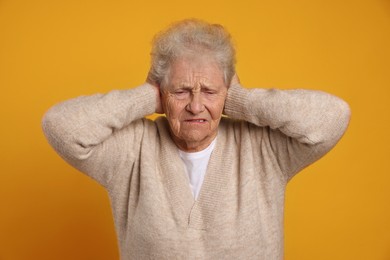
[[196, 120]]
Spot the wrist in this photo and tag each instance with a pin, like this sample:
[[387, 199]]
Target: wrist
[[158, 108], [237, 101]]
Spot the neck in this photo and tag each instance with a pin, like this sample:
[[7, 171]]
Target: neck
[[193, 146]]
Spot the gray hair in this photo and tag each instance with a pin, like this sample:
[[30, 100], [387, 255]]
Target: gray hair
[[191, 36]]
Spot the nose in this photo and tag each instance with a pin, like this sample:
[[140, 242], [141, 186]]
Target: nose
[[195, 105]]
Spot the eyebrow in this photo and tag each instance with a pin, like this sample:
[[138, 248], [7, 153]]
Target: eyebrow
[[208, 88], [184, 87], [188, 87]]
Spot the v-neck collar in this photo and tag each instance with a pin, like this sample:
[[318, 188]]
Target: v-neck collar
[[191, 213]]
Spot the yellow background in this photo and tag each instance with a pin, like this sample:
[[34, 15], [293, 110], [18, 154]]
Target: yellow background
[[338, 208]]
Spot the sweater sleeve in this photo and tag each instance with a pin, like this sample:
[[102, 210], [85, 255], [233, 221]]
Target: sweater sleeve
[[98, 133], [300, 125]]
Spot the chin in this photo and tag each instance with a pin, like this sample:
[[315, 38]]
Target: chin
[[193, 136]]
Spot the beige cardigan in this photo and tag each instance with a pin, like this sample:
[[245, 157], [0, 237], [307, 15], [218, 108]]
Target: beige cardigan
[[268, 136]]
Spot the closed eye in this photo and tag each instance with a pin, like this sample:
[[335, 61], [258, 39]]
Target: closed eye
[[209, 91], [182, 93]]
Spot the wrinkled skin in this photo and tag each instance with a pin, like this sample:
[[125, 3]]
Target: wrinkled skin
[[193, 101]]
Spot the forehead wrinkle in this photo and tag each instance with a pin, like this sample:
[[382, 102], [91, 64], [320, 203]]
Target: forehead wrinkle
[[202, 83], [190, 74]]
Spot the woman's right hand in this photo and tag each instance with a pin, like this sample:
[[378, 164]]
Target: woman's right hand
[[156, 86]]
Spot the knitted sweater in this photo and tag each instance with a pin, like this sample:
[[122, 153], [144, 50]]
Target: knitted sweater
[[267, 137]]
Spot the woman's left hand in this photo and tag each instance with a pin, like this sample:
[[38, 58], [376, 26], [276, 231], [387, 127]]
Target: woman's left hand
[[235, 80]]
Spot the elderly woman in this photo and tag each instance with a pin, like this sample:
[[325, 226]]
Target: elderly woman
[[196, 184]]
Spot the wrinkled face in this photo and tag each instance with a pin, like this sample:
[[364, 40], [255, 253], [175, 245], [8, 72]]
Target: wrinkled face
[[193, 101]]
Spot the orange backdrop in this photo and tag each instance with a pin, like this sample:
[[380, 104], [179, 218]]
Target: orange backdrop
[[338, 208]]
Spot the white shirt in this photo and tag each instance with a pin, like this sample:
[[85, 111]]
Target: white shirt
[[196, 166]]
